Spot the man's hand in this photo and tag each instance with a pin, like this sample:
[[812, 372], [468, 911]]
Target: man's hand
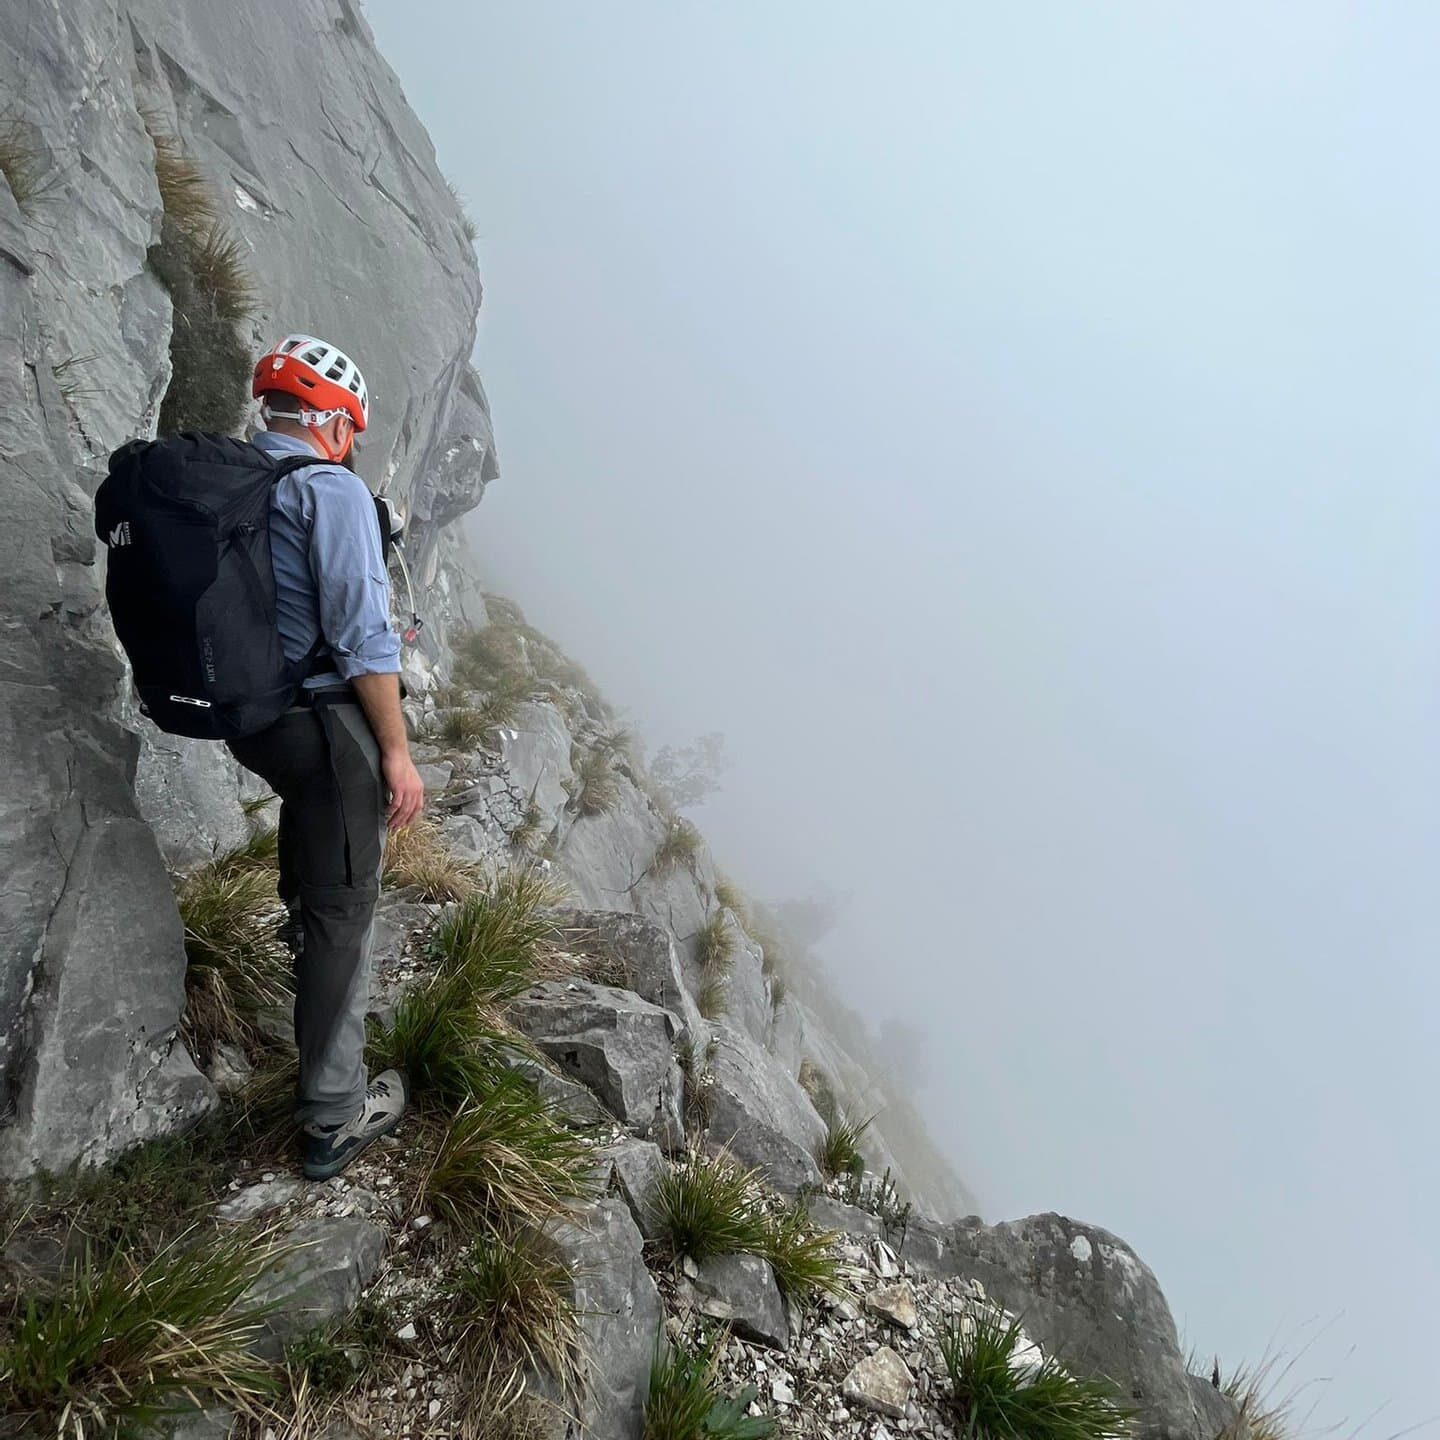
[[380, 700], [407, 789]]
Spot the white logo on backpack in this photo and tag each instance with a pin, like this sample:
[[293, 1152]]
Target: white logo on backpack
[[120, 535]]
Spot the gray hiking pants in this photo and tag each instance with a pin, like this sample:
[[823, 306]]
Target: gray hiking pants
[[324, 764]]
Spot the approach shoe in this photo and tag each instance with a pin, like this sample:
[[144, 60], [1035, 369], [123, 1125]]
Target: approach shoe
[[328, 1149]]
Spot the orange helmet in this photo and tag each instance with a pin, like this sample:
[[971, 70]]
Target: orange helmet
[[324, 379]]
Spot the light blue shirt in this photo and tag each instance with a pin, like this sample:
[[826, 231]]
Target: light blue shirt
[[329, 571]]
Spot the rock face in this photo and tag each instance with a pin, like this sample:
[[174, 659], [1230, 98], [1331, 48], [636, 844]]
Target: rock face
[[84, 364], [741, 1291], [329, 1262], [1087, 1296], [617, 1044], [761, 1115], [620, 1317]]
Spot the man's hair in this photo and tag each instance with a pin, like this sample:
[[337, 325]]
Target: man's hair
[[286, 407]]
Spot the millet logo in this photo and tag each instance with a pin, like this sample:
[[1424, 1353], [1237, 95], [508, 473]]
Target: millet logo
[[207, 658], [120, 535]]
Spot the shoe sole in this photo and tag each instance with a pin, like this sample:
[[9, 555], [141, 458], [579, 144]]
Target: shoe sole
[[329, 1171]]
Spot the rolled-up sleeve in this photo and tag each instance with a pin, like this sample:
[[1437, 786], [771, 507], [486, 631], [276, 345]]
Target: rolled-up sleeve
[[351, 586]]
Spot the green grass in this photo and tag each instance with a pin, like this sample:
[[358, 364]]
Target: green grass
[[991, 1394], [505, 1158], [707, 1206], [117, 1342], [418, 856], [451, 1049], [839, 1152], [715, 946], [234, 964], [799, 1253], [498, 937], [206, 272], [509, 1303], [595, 789], [152, 1190], [683, 1403], [680, 845]]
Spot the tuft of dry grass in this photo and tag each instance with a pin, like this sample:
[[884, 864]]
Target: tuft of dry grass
[[118, 1341], [715, 947], [680, 845], [509, 1304], [506, 1158], [418, 856], [203, 266], [23, 163], [713, 997], [595, 790], [234, 964]]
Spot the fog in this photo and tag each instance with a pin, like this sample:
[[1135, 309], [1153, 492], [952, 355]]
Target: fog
[[1014, 427]]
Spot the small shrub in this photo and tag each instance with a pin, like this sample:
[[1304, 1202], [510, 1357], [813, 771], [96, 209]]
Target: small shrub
[[993, 1392], [509, 1300], [679, 846], [709, 1206], [502, 701], [234, 965], [682, 1402], [116, 1343], [799, 1253], [839, 1153], [881, 1197], [715, 947], [418, 856], [506, 1159]]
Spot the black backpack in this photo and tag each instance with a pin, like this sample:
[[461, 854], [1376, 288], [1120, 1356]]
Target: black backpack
[[189, 583]]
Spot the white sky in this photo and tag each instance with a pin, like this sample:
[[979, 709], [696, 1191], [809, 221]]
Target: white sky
[[1014, 426]]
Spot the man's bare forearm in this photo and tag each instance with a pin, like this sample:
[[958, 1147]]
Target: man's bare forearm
[[380, 700]]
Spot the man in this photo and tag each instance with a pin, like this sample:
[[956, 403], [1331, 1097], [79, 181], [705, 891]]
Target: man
[[338, 759]]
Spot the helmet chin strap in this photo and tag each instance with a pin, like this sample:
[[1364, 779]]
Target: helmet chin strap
[[312, 420]]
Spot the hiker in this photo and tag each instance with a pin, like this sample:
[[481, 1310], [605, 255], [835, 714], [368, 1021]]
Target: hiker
[[338, 759], [248, 586]]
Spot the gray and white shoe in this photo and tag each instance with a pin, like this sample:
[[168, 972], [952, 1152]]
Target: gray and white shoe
[[328, 1149]]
